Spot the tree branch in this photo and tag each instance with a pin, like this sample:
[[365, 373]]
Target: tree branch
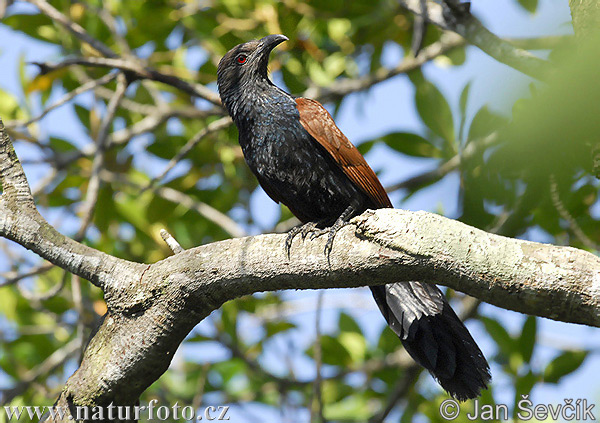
[[21, 222], [139, 71], [454, 16], [91, 196], [345, 86], [151, 308], [47, 9], [445, 168]]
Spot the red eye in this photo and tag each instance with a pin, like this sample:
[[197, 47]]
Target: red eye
[[241, 59]]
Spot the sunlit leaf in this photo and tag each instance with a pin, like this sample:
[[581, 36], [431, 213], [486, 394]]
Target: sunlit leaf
[[563, 365]]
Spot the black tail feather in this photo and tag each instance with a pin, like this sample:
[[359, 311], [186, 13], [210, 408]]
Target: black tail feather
[[434, 336]]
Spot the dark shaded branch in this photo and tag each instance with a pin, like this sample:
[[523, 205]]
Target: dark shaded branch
[[137, 70]]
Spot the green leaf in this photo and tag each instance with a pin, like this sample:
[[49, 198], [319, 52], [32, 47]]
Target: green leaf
[[433, 108], [500, 335], [353, 408], [61, 145], [346, 323], [464, 97], [564, 364], [523, 386], [9, 106], [462, 104], [365, 147], [484, 123], [274, 328], [230, 368], [355, 344], [456, 56], [333, 352], [527, 339], [529, 5], [411, 144], [35, 25], [84, 116], [388, 340]]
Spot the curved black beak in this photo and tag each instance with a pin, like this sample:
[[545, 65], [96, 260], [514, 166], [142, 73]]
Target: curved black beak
[[269, 42]]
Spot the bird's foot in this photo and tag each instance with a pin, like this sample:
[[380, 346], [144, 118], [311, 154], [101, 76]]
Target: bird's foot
[[333, 230], [310, 228]]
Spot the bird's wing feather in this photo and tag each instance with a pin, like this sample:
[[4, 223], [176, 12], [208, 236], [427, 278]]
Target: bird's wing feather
[[320, 125]]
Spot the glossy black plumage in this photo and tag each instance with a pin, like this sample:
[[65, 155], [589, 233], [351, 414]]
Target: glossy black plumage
[[303, 160]]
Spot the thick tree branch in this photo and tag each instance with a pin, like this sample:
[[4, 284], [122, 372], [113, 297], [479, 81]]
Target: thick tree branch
[[151, 308], [454, 16]]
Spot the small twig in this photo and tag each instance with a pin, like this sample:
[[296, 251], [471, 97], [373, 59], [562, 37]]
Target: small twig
[[122, 136], [345, 86], [91, 197], [139, 71], [210, 213], [30, 296], [409, 377], [13, 277], [419, 28], [46, 181], [446, 167], [564, 213], [111, 23], [66, 98], [201, 386], [73, 27], [215, 126], [171, 242], [316, 411], [55, 360], [454, 16]]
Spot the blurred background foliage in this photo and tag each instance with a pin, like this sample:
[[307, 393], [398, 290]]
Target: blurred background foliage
[[529, 170]]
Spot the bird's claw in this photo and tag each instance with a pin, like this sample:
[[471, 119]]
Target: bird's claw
[[303, 230], [332, 231], [313, 229]]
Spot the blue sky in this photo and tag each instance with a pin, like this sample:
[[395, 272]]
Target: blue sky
[[389, 107]]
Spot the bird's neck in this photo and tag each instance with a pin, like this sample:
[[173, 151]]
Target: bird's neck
[[251, 102]]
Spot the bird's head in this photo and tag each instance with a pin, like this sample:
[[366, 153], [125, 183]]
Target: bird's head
[[245, 67]]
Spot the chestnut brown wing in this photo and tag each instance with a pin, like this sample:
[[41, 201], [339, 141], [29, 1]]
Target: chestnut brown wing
[[320, 125]]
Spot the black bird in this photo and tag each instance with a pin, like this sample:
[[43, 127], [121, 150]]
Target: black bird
[[303, 160]]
